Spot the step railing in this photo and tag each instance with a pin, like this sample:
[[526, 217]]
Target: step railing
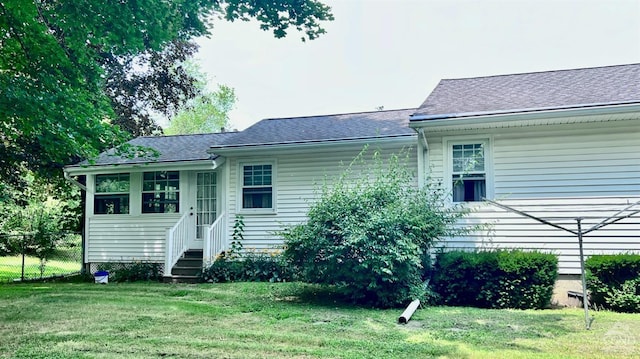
[[215, 241], [178, 240]]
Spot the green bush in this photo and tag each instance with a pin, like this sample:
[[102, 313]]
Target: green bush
[[459, 277], [495, 279], [368, 232], [132, 271], [248, 267], [614, 281]]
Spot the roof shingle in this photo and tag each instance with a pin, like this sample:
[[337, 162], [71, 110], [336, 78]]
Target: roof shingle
[[171, 149], [293, 130], [350, 126], [551, 90]]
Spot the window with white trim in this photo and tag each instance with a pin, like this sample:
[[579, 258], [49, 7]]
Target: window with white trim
[[468, 171], [161, 192], [257, 186], [112, 194]]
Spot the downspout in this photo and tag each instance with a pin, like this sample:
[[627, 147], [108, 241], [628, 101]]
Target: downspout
[[424, 139], [217, 162], [423, 157], [83, 269], [74, 182]]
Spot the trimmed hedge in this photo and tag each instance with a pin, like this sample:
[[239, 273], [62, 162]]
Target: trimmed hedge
[[249, 267], [496, 279], [132, 271], [614, 281]]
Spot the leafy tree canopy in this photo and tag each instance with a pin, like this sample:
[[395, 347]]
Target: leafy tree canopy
[[153, 83], [65, 68], [208, 112]]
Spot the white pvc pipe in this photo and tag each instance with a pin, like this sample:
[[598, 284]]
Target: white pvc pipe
[[406, 315]]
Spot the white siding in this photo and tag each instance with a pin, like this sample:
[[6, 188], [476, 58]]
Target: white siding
[[126, 238], [298, 175], [510, 230], [558, 173], [592, 161], [134, 236]]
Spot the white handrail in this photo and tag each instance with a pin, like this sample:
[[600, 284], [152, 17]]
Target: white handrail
[[215, 241], [177, 241]]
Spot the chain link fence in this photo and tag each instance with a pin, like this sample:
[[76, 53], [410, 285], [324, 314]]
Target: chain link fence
[[22, 256]]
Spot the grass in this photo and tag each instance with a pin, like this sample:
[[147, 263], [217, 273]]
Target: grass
[[286, 320], [11, 268]]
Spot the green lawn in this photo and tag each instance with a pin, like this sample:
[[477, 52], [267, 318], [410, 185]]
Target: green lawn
[[11, 268], [261, 320]]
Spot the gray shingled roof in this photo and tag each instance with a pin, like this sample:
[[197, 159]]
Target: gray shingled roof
[[364, 125], [171, 149], [268, 132], [552, 90]]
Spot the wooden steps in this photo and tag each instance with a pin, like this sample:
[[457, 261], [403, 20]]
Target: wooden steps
[[187, 269]]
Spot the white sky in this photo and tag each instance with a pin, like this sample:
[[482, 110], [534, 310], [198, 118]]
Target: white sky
[[392, 53]]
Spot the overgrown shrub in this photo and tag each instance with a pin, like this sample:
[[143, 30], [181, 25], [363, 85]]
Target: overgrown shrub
[[249, 267], [368, 232], [132, 271], [495, 279], [614, 281]]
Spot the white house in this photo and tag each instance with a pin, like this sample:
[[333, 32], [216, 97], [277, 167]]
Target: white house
[[558, 144], [188, 197]]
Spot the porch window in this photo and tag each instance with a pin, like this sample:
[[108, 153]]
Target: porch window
[[112, 194], [257, 186], [469, 176], [161, 192]]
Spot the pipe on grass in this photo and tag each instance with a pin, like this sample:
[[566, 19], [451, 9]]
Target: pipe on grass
[[406, 315]]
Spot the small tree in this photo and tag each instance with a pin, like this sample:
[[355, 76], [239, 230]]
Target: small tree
[[369, 232], [33, 220]]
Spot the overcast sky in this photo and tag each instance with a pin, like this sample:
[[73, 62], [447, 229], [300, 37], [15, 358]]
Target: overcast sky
[[392, 53]]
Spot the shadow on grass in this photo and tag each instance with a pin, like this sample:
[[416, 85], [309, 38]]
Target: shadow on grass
[[453, 328], [317, 295]]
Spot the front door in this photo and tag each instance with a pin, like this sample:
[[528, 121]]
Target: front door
[[206, 204]]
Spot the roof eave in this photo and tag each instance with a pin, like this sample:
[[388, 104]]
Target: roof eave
[[419, 121]]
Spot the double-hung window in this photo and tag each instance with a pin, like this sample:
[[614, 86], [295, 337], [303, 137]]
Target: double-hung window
[[468, 171], [257, 186], [161, 192], [112, 194]]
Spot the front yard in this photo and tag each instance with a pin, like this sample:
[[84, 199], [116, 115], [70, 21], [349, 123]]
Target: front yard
[[290, 320]]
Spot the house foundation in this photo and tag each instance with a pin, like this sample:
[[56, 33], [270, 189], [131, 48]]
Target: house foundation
[[565, 290]]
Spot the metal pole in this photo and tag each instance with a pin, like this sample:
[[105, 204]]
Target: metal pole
[[585, 296], [24, 239], [579, 233]]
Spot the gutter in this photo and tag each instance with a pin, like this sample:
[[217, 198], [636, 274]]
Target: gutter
[[518, 115], [111, 167]]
